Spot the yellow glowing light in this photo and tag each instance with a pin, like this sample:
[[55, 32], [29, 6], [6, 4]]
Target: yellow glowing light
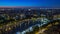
[[0, 27], [34, 19], [7, 25], [9, 28], [56, 23], [36, 33], [6, 29], [15, 22], [49, 25]]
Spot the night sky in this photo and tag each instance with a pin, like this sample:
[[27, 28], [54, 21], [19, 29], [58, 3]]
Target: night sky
[[36, 3]]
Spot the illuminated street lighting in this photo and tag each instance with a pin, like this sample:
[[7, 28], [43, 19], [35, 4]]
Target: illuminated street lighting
[[6, 29], [9, 28]]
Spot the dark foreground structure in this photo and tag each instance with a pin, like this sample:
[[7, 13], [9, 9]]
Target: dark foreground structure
[[29, 21]]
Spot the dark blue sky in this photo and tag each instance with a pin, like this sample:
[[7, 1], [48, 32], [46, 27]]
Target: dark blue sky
[[37, 3]]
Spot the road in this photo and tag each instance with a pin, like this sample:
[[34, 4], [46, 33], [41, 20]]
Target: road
[[23, 24]]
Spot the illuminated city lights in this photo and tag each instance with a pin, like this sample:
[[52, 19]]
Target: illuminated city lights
[[28, 21]]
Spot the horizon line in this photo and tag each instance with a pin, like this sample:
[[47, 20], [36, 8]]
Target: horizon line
[[27, 7]]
